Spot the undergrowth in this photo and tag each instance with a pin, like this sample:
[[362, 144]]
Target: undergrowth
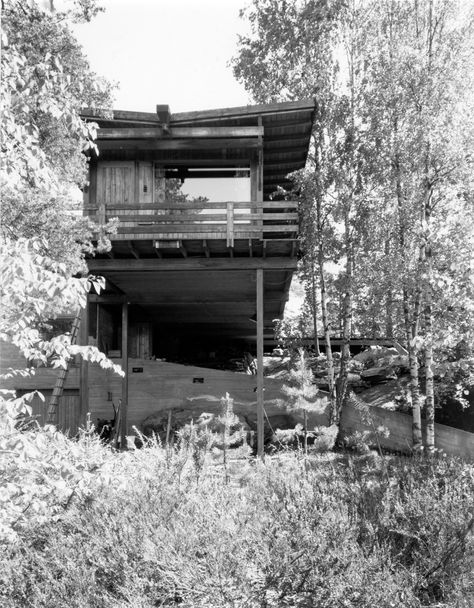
[[165, 528]]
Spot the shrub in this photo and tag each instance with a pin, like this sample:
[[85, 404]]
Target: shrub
[[328, 530]]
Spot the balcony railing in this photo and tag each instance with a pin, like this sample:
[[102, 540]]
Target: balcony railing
[[216, 220]]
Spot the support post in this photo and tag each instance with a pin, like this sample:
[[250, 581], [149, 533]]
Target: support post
[[124, 404], [83, 340], [260, 163], [260, 412]]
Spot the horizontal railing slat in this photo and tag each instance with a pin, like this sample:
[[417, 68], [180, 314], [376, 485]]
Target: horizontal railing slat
[[216, 228], [142, 236], [196, 206], [218, 217]]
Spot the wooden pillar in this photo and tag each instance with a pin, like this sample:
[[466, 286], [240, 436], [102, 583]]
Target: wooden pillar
[[91, 200], [124, 403], [260, 164], [83, 339], [260, 412]]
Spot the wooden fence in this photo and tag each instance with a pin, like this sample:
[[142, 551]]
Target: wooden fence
[[67, 412], [374, 420]]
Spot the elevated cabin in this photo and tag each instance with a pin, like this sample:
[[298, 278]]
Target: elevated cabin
[[207, 243], [201, 263], [195, 196]]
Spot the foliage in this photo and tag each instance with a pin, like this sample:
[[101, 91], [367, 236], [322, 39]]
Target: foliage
[[389, 175], [302, 391], [41, 470], [333, 531], [46, 80], [66, 236], [36, 288]]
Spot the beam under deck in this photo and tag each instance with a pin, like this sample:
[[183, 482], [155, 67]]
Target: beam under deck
[[225, 264]]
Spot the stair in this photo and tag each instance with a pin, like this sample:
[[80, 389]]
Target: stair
[[62, 375]]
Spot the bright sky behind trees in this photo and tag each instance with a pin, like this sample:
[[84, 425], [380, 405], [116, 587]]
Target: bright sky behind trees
[[174, 52]]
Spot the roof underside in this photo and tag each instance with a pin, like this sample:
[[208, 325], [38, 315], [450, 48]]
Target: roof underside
[[206, 303], [287, 130]]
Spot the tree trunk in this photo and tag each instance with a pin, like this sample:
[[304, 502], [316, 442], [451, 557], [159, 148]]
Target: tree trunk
[[429, 390], [346, 326], [429, 404], [414, 387], [327, 340], [388, 299], [428, 186], [314, 308], [305, 431], [319, 138], [411, 325]]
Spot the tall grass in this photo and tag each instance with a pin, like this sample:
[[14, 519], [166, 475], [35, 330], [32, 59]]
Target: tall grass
[[337, 530]]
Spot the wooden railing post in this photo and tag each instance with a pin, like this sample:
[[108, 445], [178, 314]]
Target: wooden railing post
[[83, 339], [230, 224], [124, 402]]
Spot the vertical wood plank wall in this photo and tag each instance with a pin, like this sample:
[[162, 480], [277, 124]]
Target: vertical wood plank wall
[[83, 339], [125, 396], [67, 412]]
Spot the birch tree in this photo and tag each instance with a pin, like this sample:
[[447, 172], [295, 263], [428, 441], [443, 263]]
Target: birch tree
[[421, 70], [290, 55], [393, 166]]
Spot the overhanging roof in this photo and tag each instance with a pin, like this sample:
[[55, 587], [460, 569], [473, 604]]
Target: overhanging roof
[[287, 130]]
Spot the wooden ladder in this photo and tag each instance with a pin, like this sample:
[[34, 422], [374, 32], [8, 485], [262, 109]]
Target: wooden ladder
[[61, 377]]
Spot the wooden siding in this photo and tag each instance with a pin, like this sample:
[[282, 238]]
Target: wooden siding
[[43, 379], [115, 183], [162, 386], [67, 412], [140, 340]]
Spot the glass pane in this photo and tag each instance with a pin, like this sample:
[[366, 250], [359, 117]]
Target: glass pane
[[234, 185]]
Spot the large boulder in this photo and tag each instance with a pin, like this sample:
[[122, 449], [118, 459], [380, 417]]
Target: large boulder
[[380, 356]]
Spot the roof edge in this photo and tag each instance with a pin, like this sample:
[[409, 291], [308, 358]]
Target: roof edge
[[184, 117], [241, 111]]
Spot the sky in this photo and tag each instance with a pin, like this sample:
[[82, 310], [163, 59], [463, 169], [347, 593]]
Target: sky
[[173, 52]]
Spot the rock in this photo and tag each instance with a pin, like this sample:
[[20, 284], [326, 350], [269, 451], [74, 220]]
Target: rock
[[391, 395], [378, 374], [381, 357], [394, 361], [355, 365], [276, 422]]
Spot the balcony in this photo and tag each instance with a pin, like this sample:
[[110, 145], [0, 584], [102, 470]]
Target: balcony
[[229, 221]]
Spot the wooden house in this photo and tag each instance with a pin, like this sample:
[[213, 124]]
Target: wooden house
[[202, 260], [205, 250]]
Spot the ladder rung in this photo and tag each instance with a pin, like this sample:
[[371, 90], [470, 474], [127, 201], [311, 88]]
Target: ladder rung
[[61, 377]]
